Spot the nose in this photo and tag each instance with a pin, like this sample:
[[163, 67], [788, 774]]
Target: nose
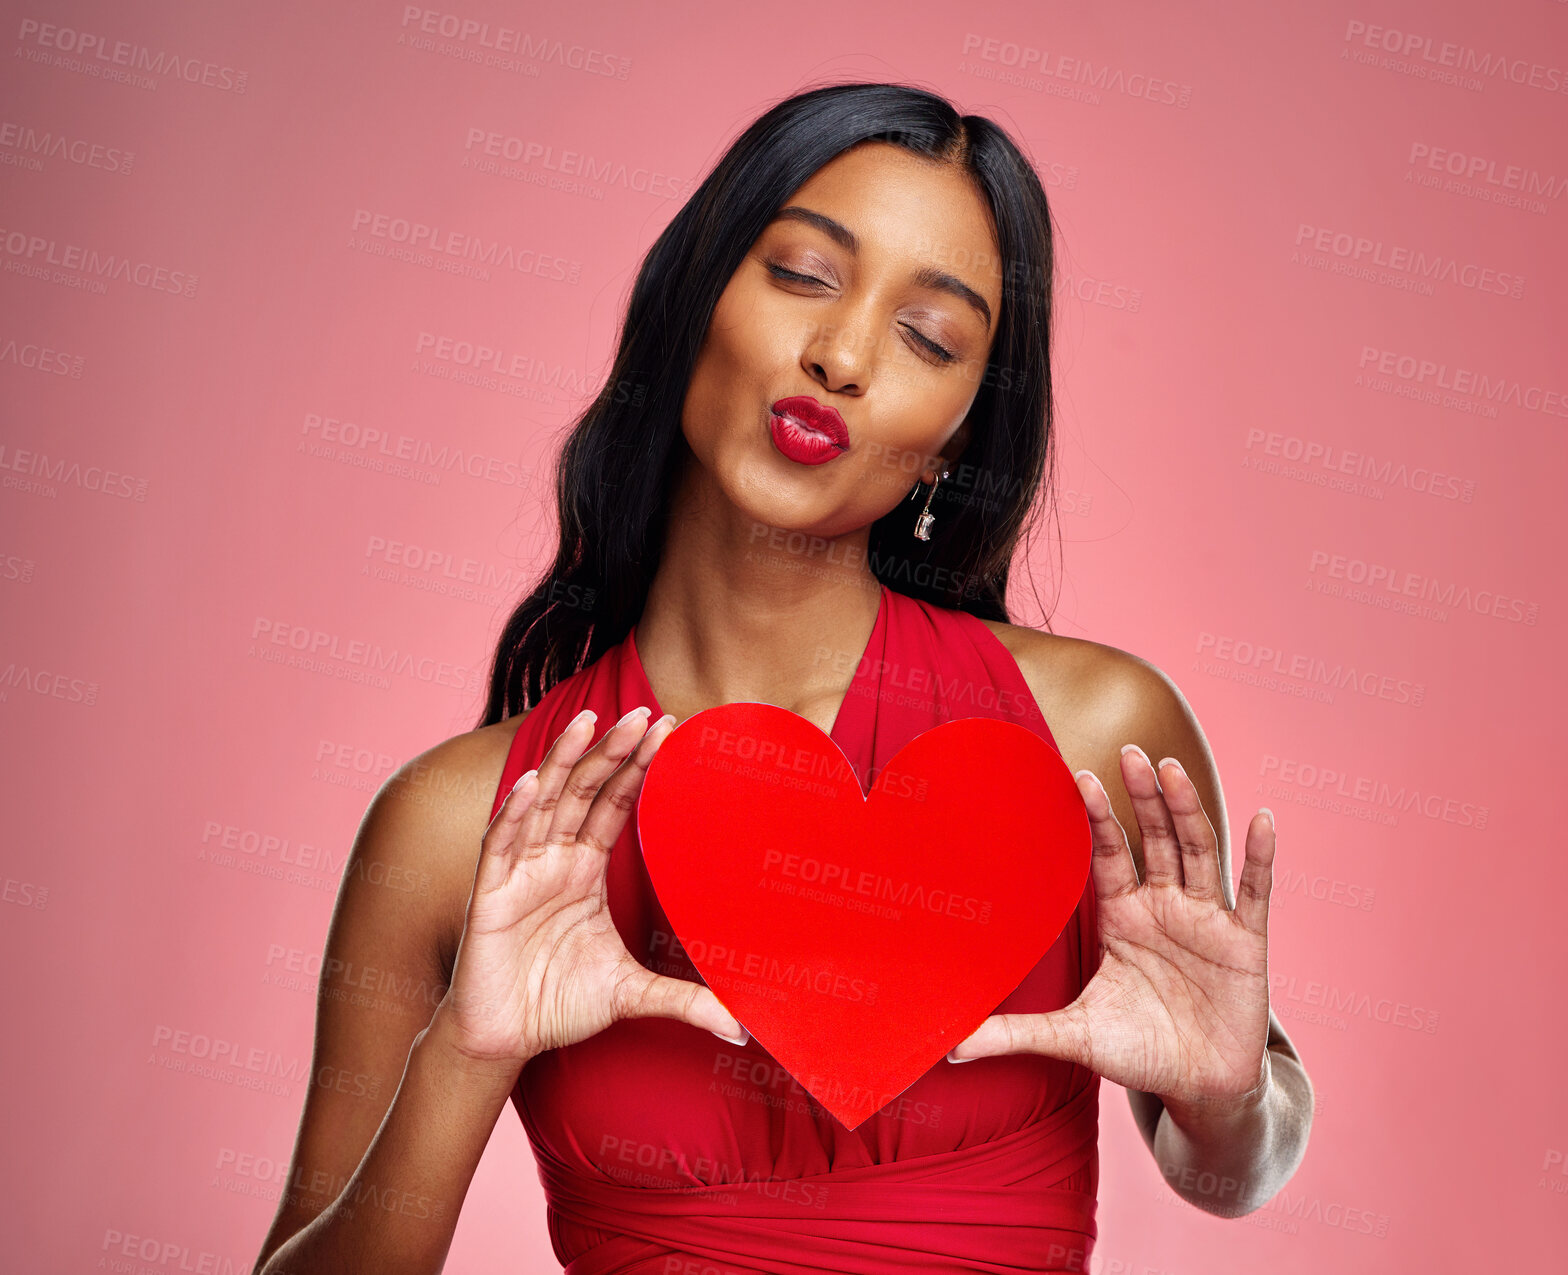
[[840, 352]]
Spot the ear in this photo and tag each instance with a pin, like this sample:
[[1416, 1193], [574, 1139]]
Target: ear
[[951, 450]]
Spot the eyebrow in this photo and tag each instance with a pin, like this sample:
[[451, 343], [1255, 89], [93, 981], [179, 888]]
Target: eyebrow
[[926, 277]]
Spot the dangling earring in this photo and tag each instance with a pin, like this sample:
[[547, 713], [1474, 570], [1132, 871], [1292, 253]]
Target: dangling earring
[[923, 523]]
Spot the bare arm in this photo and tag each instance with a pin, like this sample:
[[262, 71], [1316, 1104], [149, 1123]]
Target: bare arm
[[538, 965], [1227, 1164], [399, 1210], [1097, 699], [395, 1120]]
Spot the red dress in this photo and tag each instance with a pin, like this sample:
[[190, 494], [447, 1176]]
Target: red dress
[[665, 1149]]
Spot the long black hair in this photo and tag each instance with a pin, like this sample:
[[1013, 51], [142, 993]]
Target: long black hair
[[616, 472]]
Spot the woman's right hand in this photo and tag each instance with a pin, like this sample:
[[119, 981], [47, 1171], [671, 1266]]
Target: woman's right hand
[[540, 963]]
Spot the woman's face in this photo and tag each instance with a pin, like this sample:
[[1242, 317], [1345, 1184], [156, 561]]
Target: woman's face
[[875, 291]]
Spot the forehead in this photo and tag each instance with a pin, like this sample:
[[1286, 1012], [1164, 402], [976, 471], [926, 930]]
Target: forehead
[[906, 208]]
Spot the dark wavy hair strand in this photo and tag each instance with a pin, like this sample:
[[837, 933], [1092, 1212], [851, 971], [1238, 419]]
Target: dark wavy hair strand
[[617, 469]]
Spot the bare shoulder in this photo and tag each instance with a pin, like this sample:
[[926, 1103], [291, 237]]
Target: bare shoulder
[[1095, 697], [440, 801], [1098, 698]]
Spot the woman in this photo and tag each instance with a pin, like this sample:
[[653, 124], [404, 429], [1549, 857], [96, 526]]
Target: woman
[[851, 312]]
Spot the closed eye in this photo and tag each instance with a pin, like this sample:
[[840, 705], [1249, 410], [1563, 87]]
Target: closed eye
[[942, 354], [790, 274]]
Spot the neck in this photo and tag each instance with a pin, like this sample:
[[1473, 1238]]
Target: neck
[[742, 611]]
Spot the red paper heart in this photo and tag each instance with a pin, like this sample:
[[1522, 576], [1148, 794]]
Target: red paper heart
[[860, 938]]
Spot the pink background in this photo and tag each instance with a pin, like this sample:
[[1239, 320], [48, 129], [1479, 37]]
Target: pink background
[[1262, 400]]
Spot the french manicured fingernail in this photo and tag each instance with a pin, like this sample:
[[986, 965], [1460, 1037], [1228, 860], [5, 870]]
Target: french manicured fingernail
[[736, 1040], [1171, 761], [1268, 813], [1137, 750], [629, 716], [951, 1059], [587, 715], [524, 778]]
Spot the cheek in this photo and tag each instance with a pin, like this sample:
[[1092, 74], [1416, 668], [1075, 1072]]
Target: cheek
[[724, 358], [745, 317], [745, 352], [728, 378], [759, 338], [895, 462]]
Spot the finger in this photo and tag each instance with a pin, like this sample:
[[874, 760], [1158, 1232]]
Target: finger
[[1061, 1033], [589, 773], [1111, 863], [498, 848], [553, 771], [1200, 848], [1161, 854], [1257, 873], [644, 994], [618, 795]]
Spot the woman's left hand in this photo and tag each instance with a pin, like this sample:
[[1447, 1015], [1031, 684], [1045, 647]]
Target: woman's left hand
[[1179, 1006]]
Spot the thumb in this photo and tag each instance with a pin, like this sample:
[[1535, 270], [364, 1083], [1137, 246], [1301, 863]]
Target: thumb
[[645, 994], [717, 1019], [1056, 1034]]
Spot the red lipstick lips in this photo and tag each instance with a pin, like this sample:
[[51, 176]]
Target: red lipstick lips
[[807, 431]]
